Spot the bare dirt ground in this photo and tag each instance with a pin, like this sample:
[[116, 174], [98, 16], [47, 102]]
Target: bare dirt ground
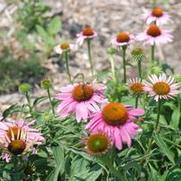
[[108, 17]]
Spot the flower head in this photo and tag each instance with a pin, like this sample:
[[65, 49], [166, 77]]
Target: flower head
[[24, 88], [97, 143], [161, 87], [155, 35], [156, 15], [46, 84], [18, 137], [65, 46], [116, 120], [86, 33], [122, 39], [138, 54], [136, 86], [81, 99]]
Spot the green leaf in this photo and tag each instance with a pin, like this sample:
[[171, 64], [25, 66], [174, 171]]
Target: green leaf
[[42, 32], [164, 148], [175, 120], [54, 26], [51, 176], [87, 157], [50, 41], [170, 105], [175, 175], [78, 165], [46, 37], [58, 153], [39, 99], [12, 109], [89, 176], [155, 175], [80, 170]]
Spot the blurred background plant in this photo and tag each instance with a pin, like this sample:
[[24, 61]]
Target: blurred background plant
[[26, 44]]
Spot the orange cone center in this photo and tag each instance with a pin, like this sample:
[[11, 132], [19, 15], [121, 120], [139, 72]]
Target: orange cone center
[[161, 88], [88, 31], [115, 114], [82, 92], [157, 12], [154, 30], [122, 37]]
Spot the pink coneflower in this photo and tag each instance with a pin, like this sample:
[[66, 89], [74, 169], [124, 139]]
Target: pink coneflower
[[161, 87], [156, 15], [18, 137], [81, 99], [136, 86], [97, 144], [122, 39], [155, 35], [116, 120], [59, 49], [86, 33]]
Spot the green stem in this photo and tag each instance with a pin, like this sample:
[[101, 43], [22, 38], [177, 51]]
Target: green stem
[[90, 56], [50, 100], [112, 68], [66, 56], [154, 3], [80, 75], [136, 101], [29, 102], [158, 115], [152, 53], [116, 172], [139, 69], [155, 128], [124, 63], [18, 165]]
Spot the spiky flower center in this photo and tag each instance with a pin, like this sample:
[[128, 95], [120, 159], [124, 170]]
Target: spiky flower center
[[17, 147], [161, 88], [14, 132], [82, 92], [97, 143], [154, 30], [64, 46], [115, 114], [88, 31], [157, 12], [136, 87], [122, 37]]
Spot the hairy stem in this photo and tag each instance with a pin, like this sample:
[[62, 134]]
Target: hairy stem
[[29, 102], [112, 68], [136, 101], [66, 56], [90, 56], [152, 53], [50, 100], [139, 69], [155, 128], [124, 63]]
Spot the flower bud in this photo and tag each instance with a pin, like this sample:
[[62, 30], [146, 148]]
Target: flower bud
[[24, 88], [111, 51], [138, 54], [46, 84]]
